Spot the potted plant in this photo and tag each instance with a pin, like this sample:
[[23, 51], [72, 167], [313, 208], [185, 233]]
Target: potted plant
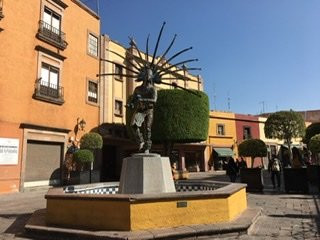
[[286, 125], [92, 141], [314, 169], [252, 176]]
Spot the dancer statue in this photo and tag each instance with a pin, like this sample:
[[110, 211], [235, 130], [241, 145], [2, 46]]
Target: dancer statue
[[143, 101]]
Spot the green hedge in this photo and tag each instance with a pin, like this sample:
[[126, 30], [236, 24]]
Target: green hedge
[[83, 156], [179, 116], [252, 148]]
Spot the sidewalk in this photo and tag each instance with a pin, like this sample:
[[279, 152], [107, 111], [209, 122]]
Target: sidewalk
[[284, 216]]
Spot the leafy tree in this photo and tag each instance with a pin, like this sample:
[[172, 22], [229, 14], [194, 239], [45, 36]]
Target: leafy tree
[[91, 141], [285, 125], [314, 146], [252, 148], [83, 157], [179, 117], [311, 130]]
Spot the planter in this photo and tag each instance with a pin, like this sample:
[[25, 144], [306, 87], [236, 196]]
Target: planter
[[83, 177], [313, 173], [253, 178], [295, 180]]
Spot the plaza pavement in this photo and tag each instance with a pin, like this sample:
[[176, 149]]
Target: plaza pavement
[[284, 216]]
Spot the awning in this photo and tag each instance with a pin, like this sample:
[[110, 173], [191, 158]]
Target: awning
[[224, 152]]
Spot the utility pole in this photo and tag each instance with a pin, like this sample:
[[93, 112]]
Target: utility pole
[[214, 98]]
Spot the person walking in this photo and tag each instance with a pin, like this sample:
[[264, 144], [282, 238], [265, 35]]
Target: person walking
[[232, 170], [275, 169]]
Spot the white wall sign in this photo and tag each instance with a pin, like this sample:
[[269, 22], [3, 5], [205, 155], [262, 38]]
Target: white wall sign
[[9, 151]]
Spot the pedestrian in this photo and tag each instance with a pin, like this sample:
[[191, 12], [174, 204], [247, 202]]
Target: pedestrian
[[232, 170], [274, 168]]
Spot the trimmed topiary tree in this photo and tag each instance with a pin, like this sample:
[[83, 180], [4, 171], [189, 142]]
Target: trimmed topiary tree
[[252, 148], [314, 146], [311, 130], [179, 117], [83, 157], [91, 141], [285, 125]]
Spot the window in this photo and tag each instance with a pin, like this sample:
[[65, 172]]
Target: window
[[118, 107], [246, 133], [52, 20], [92, 92], [47, 86], [118, 69], [220, 129], [93, 45], [50, 29]]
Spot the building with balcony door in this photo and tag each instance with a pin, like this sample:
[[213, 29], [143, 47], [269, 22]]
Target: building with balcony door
[[49, 54]]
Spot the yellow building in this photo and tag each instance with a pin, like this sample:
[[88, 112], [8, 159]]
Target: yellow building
[[49, 54], [114, 92], [221, 138]]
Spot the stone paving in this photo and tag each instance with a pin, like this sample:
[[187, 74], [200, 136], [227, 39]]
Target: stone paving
[[285, 216]]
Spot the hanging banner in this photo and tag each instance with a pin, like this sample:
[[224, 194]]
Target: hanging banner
[[9, 151]]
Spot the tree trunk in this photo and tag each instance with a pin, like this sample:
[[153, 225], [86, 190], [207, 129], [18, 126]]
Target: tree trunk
[[289, 151], [252, 162]]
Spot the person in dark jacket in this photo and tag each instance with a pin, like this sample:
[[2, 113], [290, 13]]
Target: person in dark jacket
[[274, 168], [232, 170]]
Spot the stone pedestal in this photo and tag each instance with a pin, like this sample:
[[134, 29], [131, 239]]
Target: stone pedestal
[[146, 173]]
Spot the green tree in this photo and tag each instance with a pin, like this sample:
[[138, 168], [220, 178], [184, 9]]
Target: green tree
[[314, 146], [285, 125], [179, 117], [83, 157], [252, 148], [91, 141], [311, 130]]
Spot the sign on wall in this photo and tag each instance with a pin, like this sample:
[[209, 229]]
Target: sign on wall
[[9, 151]]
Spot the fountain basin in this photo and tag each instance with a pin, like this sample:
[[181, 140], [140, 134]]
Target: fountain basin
[[191, 204]]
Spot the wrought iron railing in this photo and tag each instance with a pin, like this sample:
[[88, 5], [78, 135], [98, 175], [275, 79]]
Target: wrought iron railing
[[49, 91], [52, 34], [1, 5]]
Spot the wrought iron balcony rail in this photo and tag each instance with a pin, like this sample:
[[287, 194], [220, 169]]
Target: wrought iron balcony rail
[[49, 92], [1, 13], [52, 35]]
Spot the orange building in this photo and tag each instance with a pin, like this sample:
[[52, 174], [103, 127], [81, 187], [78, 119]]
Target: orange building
[[49, 54]]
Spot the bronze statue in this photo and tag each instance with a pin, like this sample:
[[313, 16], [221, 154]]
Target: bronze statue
[[145, 96]]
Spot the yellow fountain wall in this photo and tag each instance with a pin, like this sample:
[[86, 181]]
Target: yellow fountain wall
[[123, 215]]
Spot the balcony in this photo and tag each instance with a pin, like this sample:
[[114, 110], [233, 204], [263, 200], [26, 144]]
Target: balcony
[[48, 92], [52, 35], [1, 13]]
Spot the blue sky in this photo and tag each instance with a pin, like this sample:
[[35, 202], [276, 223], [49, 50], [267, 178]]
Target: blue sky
[[260, 54]]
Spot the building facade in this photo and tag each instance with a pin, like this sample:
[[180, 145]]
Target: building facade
[[49, 53], [221, 139]]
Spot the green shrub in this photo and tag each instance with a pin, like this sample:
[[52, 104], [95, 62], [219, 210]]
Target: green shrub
[[91, 141], [180, 117], [252, 148], [311, 130], [83, 156], [314, 144]]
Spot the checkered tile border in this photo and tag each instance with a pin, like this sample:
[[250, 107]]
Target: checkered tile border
[[101, 190], [190, 188]]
